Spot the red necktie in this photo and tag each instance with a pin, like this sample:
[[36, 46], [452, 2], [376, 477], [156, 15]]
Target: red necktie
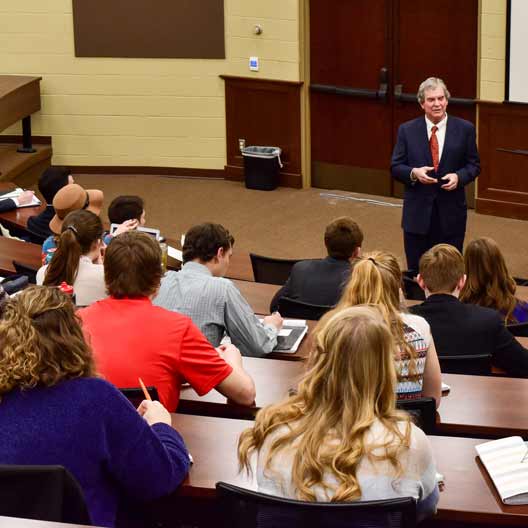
[[433, 145]]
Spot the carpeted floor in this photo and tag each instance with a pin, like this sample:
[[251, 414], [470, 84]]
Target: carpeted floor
[[287, 222]]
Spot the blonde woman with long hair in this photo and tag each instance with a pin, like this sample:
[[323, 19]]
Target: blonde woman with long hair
[[376, 279], [489, 282], [341, 438]]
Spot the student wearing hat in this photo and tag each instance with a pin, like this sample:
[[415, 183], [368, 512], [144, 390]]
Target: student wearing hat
[[70, 198], [50, 182]]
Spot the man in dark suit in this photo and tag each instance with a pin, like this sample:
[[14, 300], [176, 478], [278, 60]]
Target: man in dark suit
[[435, 157], [321, 281], [463, 329]]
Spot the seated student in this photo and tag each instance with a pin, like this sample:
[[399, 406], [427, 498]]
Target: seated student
[[71, 197], [131, 338], [376, 279], [78, 260], [489, 283], [214, 304], [125, 209], [56, 410], [321, 281], [340, 438], [463, 329], [50, 182]]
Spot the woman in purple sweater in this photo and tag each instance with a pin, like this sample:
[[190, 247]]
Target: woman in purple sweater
[[54, 410]]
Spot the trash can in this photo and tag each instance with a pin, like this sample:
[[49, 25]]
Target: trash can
[[261, 167]]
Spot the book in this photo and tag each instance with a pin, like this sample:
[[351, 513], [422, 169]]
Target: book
[[506, 461], [290, 335]]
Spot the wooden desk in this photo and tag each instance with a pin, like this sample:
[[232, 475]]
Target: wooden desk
[[469, 495], [257, 294], [23, 252], [17, 218], [17, 522], [273, 379], [475, 406]]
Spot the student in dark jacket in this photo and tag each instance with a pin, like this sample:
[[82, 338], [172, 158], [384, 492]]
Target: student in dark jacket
[[50, 182], [321, 281], [463, 329]]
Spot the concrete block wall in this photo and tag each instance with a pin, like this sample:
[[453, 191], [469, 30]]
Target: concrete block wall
[[140, 112]]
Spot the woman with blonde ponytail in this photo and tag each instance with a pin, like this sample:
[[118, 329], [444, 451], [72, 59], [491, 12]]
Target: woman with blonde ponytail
[[77, 259], [376, 279], [341, 438]]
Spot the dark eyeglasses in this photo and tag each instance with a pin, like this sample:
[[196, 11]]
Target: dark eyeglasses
[[87, 202]]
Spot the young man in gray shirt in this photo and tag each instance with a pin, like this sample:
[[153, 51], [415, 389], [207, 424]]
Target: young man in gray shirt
[[215, 305]]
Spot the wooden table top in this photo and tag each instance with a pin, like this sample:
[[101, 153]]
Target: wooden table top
[[23, 252], [257, 294], [469, 495], [17, 522], [475, 406]]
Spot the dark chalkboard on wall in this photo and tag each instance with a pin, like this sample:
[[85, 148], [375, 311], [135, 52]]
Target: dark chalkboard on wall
[[191, 29]]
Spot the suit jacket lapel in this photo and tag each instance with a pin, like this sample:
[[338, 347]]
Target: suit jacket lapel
[[448, 141], [424, 141]]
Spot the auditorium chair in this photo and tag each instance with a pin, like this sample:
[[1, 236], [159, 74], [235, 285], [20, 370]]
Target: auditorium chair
[[46, 493], [476, 364], [301, 310], [518, 329], [135, 394], [28, 271], [243, 508], [423, 412], [271, 270], [411, 289]]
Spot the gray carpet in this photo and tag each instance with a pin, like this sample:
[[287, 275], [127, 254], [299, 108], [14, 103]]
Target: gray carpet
[[287, 222]]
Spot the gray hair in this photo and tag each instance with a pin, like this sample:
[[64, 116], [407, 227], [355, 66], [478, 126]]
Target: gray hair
[[430, 84]]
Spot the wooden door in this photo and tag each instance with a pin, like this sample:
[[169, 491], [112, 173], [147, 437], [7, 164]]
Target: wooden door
[[351, 124], [368, 58]]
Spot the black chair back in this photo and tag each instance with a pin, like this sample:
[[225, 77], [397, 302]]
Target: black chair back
[[135, 394], [477, 364], [518, 329], [46, 493], [423, 412], [411, 289], [241, 508], [28, 271], [271, 270], [301, 310]]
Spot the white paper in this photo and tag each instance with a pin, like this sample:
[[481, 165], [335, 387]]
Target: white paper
[[175, 253]]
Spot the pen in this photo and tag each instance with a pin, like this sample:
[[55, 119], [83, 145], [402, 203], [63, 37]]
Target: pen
[[144, 389]]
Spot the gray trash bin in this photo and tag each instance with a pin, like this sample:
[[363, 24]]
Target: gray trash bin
[[262, 166]]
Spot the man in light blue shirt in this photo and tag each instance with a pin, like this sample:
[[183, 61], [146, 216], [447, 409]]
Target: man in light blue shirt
[[215, 305]]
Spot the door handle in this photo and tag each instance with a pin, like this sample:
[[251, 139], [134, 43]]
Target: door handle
[[367, 93]]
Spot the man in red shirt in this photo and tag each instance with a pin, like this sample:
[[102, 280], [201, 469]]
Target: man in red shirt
[[132, 338]]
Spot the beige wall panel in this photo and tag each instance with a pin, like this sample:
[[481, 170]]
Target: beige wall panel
[[159, 112], [154, 146], [492, 50], [170, 106]]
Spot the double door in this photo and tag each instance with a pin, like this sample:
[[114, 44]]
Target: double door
[[367, 59]]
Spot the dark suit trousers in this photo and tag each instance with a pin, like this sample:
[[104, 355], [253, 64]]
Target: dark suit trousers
[[416, 244]]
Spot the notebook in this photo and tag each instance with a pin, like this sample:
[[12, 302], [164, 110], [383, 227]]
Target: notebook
[[506, 461], [290, 335], [16, 193]]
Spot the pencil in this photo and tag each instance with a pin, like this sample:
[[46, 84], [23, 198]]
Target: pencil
[[144, 389]]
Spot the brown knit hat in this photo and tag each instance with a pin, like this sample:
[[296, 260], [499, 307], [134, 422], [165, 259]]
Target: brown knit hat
[[73, 197]]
